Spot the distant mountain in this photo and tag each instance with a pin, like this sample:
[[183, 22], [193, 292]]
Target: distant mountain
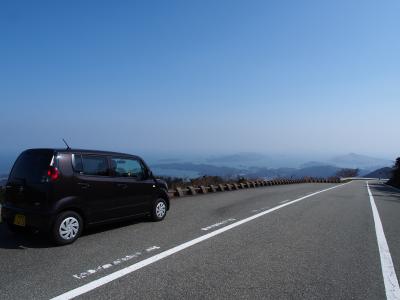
[[317, 171], [385, 172], [270, 173], [353, 160], [246, 160]]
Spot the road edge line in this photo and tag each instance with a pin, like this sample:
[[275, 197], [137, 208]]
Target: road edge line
[[389, 274]]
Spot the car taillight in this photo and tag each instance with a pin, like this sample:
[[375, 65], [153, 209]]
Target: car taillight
[[53, 173]]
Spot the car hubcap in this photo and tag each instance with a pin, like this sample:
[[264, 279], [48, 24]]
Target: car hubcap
[[160, 209], [69, 228]]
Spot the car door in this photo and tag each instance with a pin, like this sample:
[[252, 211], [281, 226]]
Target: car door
[[135, 189], [95, 185]]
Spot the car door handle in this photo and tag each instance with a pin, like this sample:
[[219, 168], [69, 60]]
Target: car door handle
[[84, 185], [122, 185]]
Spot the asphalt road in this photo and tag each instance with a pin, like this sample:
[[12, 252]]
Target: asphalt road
[[249, 244]]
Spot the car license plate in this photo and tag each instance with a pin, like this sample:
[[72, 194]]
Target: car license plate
[[19, 220]]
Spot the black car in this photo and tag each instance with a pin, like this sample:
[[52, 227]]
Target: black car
[[62, 191]]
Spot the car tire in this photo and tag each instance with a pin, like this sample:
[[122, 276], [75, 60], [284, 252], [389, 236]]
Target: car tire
[[67, 228], [159, 210]]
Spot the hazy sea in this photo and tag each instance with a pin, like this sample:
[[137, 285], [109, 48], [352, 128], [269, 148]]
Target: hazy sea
[[186, 174]]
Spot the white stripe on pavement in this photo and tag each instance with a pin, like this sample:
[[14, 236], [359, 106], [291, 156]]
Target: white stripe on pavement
[[389, 274], [132, 268]]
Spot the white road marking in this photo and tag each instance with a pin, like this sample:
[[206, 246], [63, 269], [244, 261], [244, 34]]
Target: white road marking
[[260, 209], [114, 263], [152, 248], [389, 274], [106, 266], [132, 268], [218, 224], [284, 201]]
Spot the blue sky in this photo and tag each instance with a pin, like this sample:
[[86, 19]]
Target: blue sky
[[201, 77]]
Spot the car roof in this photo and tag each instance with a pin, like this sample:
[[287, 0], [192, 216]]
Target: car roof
[[83, 151]]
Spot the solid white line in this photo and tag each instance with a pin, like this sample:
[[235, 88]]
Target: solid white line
[[389, 274], [118, 274]]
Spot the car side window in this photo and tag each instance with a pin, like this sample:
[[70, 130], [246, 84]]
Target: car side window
[[77, 163], [127, 167], [95, 165]]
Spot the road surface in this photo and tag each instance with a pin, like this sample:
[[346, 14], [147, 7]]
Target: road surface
[[300, 241]]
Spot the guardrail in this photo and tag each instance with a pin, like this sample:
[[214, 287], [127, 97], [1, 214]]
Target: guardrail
[[194, 190]]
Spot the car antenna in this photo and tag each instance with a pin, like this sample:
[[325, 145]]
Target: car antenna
[[68, 147]]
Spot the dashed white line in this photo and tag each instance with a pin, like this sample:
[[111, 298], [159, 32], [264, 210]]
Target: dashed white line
[[260, 209], [284, 201], [218, 224], [114, 263], [132, 268], [389, 274], [152, 248]]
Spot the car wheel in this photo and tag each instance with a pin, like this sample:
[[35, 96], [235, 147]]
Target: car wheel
[[159, 210], [67, 228]]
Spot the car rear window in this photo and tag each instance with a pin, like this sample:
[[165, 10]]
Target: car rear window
[[32, 166]]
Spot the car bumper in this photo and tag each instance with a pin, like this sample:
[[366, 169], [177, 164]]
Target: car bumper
[[41, 221]]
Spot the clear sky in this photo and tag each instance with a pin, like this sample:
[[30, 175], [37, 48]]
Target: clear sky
[[201, 76]]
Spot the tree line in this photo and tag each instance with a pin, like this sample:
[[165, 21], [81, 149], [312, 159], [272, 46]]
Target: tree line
[[395, 179]]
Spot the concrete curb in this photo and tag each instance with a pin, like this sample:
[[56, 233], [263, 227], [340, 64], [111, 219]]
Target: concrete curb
[[194, 190]]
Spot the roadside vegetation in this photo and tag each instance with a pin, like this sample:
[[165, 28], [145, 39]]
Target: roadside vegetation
[[345, 173], [395, 179]]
